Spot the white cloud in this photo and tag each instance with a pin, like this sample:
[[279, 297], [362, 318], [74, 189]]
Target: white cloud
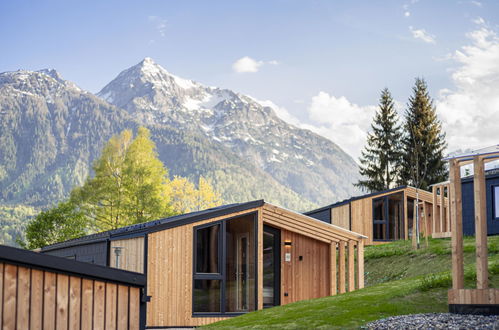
[[159, 24], [340, 120], [476, 3], [470, 112], [422, 35], [407, 14], [247, 64]]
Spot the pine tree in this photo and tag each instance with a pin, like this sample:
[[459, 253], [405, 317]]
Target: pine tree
[[423, 143], [381, 155]]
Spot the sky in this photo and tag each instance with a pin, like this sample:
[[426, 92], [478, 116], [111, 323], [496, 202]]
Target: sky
[[320, 64]]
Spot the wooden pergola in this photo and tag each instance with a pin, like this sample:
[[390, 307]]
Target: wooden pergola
[[482, 299]]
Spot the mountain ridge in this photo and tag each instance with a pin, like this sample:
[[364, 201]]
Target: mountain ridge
[[51, 130]]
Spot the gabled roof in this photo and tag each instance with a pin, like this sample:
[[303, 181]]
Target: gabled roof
[[346, 201], [156, 225]]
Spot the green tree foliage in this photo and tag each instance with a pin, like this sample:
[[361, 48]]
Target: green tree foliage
[[13, 221], [187, 198], [423, 143], [381, 156], [55, 225], [130, 184]]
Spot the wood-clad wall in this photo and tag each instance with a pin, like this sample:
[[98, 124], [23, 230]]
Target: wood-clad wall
[[40, 299], [170, 264], [340, 216], [358, 214], [362, 218], [169, 276], [132, 254], [307, 275]]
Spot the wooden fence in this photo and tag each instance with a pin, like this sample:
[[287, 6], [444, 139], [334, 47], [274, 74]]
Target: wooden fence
[[39, 291]]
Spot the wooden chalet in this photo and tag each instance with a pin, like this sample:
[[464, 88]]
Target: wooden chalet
[[389, 215], [207, 266]]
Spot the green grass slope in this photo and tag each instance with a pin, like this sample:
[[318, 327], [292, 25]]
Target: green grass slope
[[398, 281]]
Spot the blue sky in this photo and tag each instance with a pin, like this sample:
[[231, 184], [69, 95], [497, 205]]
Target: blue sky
[[313, 59]]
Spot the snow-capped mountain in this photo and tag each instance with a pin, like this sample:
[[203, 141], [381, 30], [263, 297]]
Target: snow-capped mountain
[[307, 163], [51, 131]]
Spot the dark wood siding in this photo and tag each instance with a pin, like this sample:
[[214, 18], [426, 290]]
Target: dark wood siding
[[94, 253], [324, 215], [469, 207]]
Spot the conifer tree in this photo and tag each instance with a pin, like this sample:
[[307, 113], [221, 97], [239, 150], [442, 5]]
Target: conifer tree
[[381, 156], [424, 143]]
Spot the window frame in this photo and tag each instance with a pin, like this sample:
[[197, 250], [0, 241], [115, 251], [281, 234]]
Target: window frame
[[222, 263], [386, 214], [495, 194]]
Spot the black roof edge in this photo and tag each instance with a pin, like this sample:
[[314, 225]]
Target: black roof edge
[[62, 265], [213, 214], [76, 242], [351, 199], [149, 227]]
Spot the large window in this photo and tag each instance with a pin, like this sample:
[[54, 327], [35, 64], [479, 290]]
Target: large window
[[388, 219], [495, 198], [225, 266]]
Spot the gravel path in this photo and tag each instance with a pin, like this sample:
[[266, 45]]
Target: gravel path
[[436, 321]]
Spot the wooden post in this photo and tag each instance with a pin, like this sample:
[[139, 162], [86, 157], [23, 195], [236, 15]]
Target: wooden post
[[406, 218], [425, 221], [479, 187], [447, 208], [332, 258], [442, 214], [260, 259], [457, 225], [434, 209], [351, 266], [341, 270], [414, 226], [360, 264]]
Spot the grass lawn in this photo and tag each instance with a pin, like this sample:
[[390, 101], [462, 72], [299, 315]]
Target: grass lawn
[[399, 281]]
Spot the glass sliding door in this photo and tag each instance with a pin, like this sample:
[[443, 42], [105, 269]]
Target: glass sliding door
[[379, 219], [395, 216], [240, 265], [224, 279], [271, 266], [388, 217]]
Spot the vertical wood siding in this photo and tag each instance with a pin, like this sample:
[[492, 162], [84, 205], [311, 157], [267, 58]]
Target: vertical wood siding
[[132, 254], [40, 299]]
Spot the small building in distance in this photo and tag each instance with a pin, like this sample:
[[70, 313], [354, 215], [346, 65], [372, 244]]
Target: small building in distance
[[389, 215], [206, 266], [492, 201]]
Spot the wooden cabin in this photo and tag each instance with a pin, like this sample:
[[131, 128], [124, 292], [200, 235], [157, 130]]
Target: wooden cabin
[[389, 215], [40, 291], [206, 266]]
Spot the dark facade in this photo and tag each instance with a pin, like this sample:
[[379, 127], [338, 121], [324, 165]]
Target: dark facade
[[492, 181], [94, 253], [322, 214]]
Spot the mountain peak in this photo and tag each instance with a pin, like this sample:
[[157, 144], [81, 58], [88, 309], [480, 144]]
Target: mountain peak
[[52, 73]]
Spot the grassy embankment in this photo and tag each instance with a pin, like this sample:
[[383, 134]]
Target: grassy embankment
[[398, 281]]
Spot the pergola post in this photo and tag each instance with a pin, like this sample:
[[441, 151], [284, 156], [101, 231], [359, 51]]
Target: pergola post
[[457, 224], [434, 209], [360, 264], [332, 256], [479, 187]]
